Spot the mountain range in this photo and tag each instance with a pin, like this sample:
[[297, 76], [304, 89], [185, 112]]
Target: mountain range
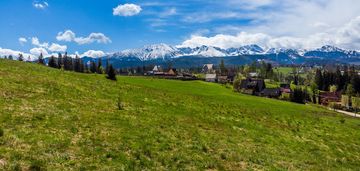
[[163, 54]]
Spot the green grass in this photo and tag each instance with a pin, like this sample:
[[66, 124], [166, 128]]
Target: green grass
[[58, 120]]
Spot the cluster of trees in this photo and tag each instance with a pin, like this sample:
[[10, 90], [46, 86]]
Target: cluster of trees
[[76, 64], [348, 81]]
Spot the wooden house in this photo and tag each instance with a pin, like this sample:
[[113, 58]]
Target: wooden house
[[208, 69], [252, 86], [271, 92], [210, 78]]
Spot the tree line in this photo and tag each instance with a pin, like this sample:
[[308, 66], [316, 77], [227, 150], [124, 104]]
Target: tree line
[[67, 63]]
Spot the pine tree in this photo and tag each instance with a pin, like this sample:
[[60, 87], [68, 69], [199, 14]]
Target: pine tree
[[93, 67], [222, 67], [319, 79], [21, 57], [60, 61], [339, 79], [41, 59], [111, 73], [99, 69], [77, 64], [52, 63], [11, 57]]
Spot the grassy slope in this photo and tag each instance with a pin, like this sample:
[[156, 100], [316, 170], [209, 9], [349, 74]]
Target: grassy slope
[[61, 120]]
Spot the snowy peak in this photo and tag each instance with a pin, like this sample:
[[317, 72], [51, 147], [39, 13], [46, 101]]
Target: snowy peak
[[151, 52], [246, 50], [329, 48], [164, 51], [208, 51]]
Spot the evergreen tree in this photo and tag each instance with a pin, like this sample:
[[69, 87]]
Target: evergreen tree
[[339, 79], [77, 64], [52, 63], [222, 67], [93, 67], [319, 79], [11, 57], [111, 73], [60, 61], [41, 60], [298, 96], [99, 69], [355, 82], [21, 57]]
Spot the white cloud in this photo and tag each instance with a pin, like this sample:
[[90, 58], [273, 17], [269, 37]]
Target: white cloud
[[38, 51], [127, 10], [57, 48], [40, 5], [93, 37], [347, 36], [22, 41], [35, 41], [66, 36], [93, 54], [70, 36]]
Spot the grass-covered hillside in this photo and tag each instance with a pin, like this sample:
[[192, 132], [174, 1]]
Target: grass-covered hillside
[[57, 120]]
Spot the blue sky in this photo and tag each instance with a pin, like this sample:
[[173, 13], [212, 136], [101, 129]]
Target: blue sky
[[109, 25]]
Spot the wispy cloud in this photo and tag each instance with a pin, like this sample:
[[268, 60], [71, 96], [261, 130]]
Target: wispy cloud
[[40, 4]]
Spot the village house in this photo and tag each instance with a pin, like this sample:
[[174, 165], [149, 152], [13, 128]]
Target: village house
[[252, 86], [210, 78], [271, 92], [327, 97], [208, 69], [253, 74]]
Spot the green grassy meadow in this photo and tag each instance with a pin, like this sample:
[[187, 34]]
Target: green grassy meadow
[[58, 120]]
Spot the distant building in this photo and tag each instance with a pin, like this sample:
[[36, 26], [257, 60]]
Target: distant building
[[208, 68], [252, 86], [171, 72], [327, 97], [253, 74], [222, 79], [210, 78], [157, 68], [271, 92]]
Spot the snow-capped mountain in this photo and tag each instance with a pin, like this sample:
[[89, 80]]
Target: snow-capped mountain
[[149, 52], [164, 51], [245, 50], [206, 51]]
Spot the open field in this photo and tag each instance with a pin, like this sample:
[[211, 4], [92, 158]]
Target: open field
[[59, 120]]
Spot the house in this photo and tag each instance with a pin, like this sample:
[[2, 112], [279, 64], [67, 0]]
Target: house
[[210, 78], [171, 72], [157, 68], [271, 92], [253, 74], [222, 79], [208, 68], [328, 97], [252, 86], [285, 88]]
